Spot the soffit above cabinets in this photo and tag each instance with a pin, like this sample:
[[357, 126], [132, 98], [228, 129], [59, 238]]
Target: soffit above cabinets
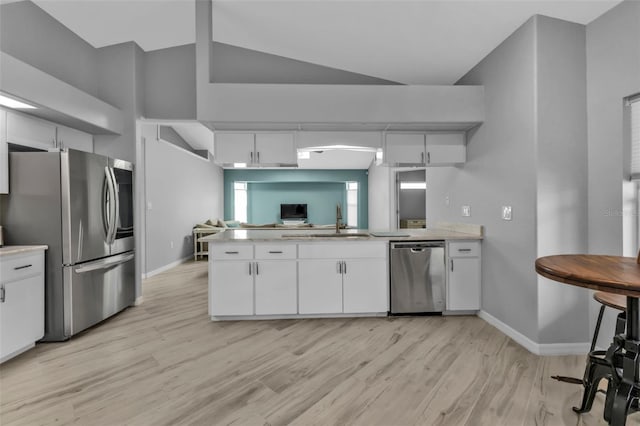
[[342, 127]]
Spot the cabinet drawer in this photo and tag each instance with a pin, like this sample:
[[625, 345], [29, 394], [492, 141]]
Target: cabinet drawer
[[19, 266], [343, 250], [231, 251], [275, 251], [464, 249]]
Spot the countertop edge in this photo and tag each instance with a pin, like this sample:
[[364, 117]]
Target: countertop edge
[[10, 250]]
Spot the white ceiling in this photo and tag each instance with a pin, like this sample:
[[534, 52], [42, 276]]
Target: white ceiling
[[412, 42]]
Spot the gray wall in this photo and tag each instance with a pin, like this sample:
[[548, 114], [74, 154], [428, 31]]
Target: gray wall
[[118, 84], [183, 190], [170, 83], [500, 169], [233, 64], [33, 36], [613, 64], [561, 144]]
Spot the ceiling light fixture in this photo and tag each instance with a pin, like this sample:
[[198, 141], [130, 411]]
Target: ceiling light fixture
[[12, 103]]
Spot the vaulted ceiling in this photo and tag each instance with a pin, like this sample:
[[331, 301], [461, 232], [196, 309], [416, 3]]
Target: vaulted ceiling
[[412, 42]]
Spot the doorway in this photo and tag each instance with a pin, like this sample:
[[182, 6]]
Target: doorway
[[411, 198]]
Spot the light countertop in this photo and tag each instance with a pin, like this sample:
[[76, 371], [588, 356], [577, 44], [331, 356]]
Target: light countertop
[[9, 250], [272, 235]]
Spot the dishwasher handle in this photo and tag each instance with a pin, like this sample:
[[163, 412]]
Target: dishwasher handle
[[417, 246]]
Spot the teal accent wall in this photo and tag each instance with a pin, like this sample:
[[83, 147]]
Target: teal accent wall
[[320, 189]]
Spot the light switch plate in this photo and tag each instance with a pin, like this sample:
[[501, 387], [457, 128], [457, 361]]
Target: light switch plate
[[466, 211], [506, 212]]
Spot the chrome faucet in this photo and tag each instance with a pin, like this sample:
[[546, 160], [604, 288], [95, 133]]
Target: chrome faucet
[[338, 218]]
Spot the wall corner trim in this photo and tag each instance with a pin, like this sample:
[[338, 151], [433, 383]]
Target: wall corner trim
[[533, 347]]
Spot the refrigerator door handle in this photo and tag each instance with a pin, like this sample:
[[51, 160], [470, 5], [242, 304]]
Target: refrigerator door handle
[[116, 207], [104, 263], [111, 204]]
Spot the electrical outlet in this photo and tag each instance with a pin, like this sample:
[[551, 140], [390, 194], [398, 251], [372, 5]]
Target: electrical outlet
[[149, 206], [446, 200], [466, 211], [171, 244], [506, 212]]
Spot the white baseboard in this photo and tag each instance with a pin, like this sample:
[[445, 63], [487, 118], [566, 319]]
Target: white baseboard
[[167, 267], [534, 347], [138, 301]]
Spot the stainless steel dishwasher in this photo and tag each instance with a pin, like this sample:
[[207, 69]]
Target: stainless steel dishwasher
[[417, 277]]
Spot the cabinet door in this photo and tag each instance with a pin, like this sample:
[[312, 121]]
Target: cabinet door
[[74, 139], [276, 287], [231, 288], [319, 287], [365, 286], [232, 148], [4, 154], [32, 132], [21, 314], [275, 148], [446, 148], [463, 286], [404, 148]]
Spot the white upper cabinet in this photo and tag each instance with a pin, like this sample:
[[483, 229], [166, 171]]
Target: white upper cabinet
[[255, 149], [405, 148], [74, 139], [29, 131], [425, 149], [230, 148], [275, 148]]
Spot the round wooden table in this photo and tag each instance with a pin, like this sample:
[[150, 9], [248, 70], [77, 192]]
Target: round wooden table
[[613, 274]]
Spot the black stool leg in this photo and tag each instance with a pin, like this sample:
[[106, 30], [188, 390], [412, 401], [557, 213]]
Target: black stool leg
[[597, 329], [593, 372]]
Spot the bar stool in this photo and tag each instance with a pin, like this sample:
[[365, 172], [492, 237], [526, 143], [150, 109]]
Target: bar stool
[[598, 367]]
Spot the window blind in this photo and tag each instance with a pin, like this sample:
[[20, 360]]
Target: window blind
[[634, 104]]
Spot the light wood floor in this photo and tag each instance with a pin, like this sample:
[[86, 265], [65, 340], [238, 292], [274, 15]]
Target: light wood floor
[[165, 363]]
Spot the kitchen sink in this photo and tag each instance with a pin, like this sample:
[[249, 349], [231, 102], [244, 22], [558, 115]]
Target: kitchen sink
[[341, 235]]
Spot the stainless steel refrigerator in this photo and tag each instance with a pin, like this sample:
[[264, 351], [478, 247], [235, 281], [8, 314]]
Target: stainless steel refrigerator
[[81, 205]]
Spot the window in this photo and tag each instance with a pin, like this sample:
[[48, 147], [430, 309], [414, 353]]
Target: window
[[633, 104], [240, 201], [352, 204]]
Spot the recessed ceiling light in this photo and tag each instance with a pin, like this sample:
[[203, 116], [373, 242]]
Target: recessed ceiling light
[[12, 103]]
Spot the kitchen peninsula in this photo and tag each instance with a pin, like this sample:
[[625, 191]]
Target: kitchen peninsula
[[276, 273]]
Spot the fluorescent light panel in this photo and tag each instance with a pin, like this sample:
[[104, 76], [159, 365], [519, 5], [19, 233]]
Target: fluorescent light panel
[[413, 185], [12, 103]]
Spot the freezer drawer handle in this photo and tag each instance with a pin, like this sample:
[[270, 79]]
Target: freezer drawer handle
[[17, 268], [466, 249], [2, 294], [230, 252], [275, 252], [104, 263]]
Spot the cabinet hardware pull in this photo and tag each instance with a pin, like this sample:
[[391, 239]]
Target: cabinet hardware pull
[[257, 269], [251, 157], [275, 252], [22, 267], [451, 265], [428, 158], [258, 155], [467, 249], [344, 267], [339, 267], [422, 158], [230, 252], [2, 294], [250, 268]]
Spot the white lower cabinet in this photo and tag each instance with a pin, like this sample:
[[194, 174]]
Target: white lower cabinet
[[290, 278], [365, 286], [320, 287], [231, 288], [21, 302], [275, 287], [463, 276]]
